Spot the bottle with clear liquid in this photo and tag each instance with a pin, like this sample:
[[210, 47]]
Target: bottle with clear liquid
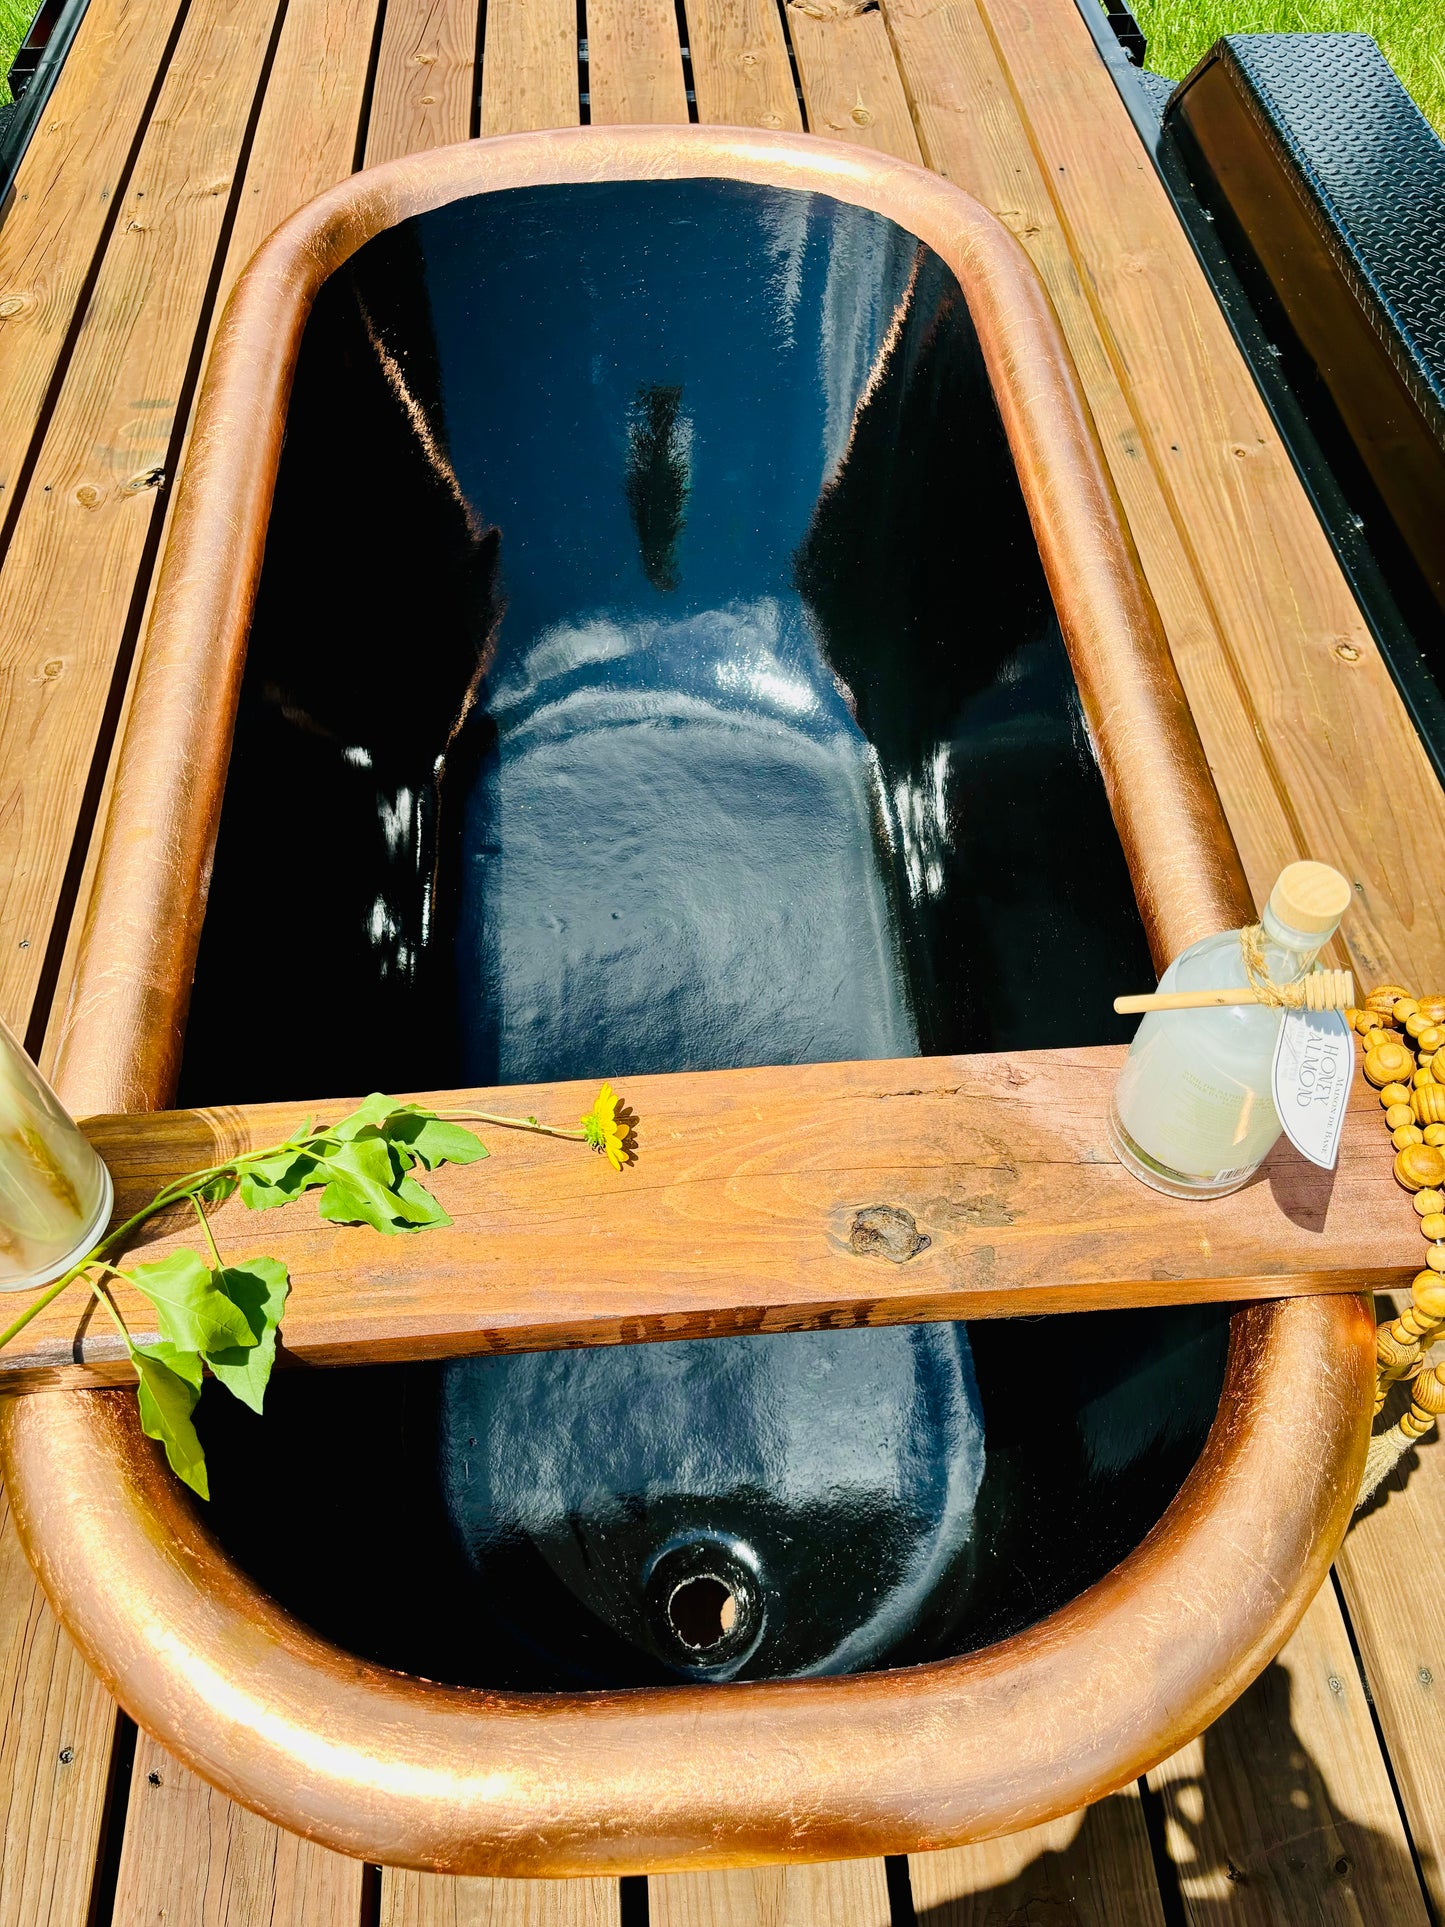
[[55, 1192], [1192, 1113]]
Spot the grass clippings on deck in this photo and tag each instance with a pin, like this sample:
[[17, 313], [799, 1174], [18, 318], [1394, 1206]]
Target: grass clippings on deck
[[1410, 33]]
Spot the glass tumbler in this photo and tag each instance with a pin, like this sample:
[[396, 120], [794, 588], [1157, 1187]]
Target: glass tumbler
[[55, 1192]]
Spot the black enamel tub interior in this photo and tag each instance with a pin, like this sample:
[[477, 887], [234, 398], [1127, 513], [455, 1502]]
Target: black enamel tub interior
[[655, 657]]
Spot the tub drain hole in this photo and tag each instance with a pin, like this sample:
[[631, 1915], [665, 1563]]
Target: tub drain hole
[[702, 1611]]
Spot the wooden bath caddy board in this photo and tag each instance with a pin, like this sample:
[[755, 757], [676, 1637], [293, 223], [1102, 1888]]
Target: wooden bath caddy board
[[761, 1200]]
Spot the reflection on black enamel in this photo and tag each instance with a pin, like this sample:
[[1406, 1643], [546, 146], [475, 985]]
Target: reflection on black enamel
[[652, 628]]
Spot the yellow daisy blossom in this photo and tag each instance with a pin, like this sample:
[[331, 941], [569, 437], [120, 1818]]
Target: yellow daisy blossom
[[602, 1129]]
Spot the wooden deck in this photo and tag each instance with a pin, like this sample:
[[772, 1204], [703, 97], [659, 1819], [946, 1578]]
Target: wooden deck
[[180, 133]]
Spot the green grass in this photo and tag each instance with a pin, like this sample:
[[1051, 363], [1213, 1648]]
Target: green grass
[[1411, 34], [15, 18]]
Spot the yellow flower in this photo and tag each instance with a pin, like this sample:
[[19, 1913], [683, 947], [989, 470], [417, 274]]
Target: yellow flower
[[604, 1132]]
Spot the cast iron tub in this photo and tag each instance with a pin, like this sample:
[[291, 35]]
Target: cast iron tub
[[380, 1760]]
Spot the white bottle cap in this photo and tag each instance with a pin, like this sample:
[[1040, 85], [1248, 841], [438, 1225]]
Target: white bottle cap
[[1310, 897]]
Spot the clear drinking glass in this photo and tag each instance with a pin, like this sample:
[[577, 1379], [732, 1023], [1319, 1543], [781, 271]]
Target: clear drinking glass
[[55, 1192]]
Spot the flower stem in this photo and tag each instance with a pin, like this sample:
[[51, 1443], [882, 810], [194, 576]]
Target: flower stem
[[512, 1123]]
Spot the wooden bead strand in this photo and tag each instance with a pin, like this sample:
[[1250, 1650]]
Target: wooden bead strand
[[1401, 1035]]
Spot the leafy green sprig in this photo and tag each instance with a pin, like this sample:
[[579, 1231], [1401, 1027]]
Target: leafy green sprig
[[222, 1318]]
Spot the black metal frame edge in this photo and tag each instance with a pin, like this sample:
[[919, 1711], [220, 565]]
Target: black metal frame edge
[[16, 130]]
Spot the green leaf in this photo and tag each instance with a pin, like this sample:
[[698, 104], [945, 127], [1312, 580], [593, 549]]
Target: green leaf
[[423, 1211], [170, 1384], [433, 1140], [271, 1181], [366, 1173], [259, 1287], [193, 1313], [371, 1113], [218, 1189]]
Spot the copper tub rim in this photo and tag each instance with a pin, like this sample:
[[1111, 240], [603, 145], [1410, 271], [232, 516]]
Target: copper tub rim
[[118, 1546]]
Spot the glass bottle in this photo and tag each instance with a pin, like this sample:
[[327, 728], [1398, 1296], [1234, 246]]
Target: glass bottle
[[55, 1192], [1192, 1113]]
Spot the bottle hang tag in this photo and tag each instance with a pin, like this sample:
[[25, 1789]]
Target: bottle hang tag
[[1314, 1063]]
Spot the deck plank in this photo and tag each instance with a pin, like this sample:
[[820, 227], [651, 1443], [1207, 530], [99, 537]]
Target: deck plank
[[64, 195], [851, 85], [306, 140], [842, 1893], [529, 66], [1389, 1572], [84, 529], [1292, 726], [57, 1729], [1282, 1811], [741, 73], [634, 63], [1090, 1869], [229, 1868], [442, 1900], [193, 1858], [426, 78]]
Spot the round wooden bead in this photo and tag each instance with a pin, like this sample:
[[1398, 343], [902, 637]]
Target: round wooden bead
[[1388, 1063], [1427, 1201], [1428, 1294], [1421, 1076], [1434, 1225], [1427, 1103], [1431, 1038], [1399, 1115], [1385, 996], [1420, 1166], [1435, 1133], [1395, 1094], [1356, 1019], [1428, 1392], [1435, 1257], [1433, 1007], [1404, 1009], [1405, 1135], [1374, 1037]]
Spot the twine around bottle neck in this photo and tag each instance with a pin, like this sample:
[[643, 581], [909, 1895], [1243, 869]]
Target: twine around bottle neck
[[1256, 969]]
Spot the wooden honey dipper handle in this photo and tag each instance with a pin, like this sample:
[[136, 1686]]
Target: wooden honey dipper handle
[[1323, 990]]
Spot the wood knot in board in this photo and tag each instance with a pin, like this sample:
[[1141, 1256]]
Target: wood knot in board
[[887, 1231]]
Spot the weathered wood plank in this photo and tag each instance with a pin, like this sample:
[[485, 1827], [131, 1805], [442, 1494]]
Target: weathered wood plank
[[634, 63], [68, 586], [437, 1900], [761, 1200], [426, 78], [1390, 1573], [57, 1728], [741, 73], [850, 1893], [1090, 1869], [193, 1858], [64, 195], [1297, 710], [850, 80], [1282, 1811], [529, 66]]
